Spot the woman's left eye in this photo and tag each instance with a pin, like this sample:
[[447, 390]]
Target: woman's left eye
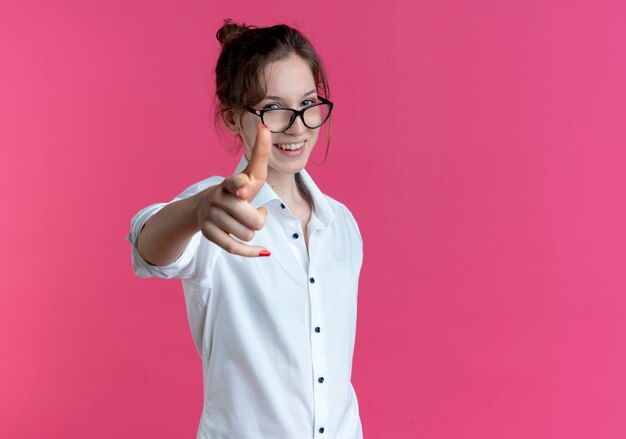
[[307, 102]]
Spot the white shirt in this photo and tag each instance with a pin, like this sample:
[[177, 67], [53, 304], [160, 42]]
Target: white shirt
[[275, 334]]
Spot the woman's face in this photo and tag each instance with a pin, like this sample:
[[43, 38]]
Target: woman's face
[[290, 84]]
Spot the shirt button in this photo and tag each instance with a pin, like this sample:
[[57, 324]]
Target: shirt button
[[318, 329], [282, 205], [312, 280], [295, 236], [320, 380], [321, 430]]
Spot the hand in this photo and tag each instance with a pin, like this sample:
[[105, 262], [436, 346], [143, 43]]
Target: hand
[[225, 209]]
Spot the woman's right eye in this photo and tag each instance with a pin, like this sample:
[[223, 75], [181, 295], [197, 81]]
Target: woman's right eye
[[270, 106]]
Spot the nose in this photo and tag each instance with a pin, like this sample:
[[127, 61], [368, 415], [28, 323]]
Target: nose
[[297, 128]]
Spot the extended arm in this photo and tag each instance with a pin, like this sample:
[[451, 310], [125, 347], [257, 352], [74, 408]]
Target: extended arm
[[217, 212]]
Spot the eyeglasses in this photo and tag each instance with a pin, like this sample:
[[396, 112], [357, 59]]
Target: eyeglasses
[[279, 120]]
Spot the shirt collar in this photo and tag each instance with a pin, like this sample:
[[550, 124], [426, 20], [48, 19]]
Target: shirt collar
[[323, 208]]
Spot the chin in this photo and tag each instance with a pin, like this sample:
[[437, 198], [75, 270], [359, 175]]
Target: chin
[[288, 165], [288, 168]]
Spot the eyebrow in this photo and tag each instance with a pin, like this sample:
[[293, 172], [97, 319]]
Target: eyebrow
[[279, 98]]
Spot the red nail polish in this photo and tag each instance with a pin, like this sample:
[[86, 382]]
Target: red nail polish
[[264, 253]]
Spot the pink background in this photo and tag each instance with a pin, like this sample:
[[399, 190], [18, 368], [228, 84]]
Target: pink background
[[480, 145]]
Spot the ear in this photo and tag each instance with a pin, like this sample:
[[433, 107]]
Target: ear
[[230, 121]]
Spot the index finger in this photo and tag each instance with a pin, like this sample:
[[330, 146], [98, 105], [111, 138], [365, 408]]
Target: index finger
[[257, 167]]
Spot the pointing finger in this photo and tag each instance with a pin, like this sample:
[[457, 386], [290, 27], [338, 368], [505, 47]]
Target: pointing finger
[[257, 167]]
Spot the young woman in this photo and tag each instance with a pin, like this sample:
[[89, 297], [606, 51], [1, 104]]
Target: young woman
[[269, 264]]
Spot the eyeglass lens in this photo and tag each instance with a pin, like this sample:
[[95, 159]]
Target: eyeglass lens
[[279, 119]]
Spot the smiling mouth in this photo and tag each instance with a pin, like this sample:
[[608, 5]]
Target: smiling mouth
[[290, 146]]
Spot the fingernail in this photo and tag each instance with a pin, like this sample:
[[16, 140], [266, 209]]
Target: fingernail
[[264, 253]]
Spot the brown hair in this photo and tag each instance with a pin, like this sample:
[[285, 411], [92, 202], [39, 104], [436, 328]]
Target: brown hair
[[246, 50]]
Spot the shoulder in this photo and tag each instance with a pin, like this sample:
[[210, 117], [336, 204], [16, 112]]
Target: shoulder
[[344, 214], [336, 205]]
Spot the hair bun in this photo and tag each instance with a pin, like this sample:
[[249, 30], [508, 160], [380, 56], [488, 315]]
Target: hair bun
[[230, 30]]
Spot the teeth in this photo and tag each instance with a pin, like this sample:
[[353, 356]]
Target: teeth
[[290, 146]]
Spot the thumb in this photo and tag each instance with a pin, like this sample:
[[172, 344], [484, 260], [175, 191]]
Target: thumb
[[263, 212]]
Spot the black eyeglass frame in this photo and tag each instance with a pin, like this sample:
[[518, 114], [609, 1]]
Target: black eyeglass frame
[[296, 113]]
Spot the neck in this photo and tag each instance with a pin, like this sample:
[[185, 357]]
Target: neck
[[285, 186]]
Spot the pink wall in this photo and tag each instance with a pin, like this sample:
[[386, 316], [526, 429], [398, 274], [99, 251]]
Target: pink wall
[[480, 144]]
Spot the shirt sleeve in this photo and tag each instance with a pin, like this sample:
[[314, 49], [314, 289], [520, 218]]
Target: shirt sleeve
[[352, 221], [182, 268], [356, 234]]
